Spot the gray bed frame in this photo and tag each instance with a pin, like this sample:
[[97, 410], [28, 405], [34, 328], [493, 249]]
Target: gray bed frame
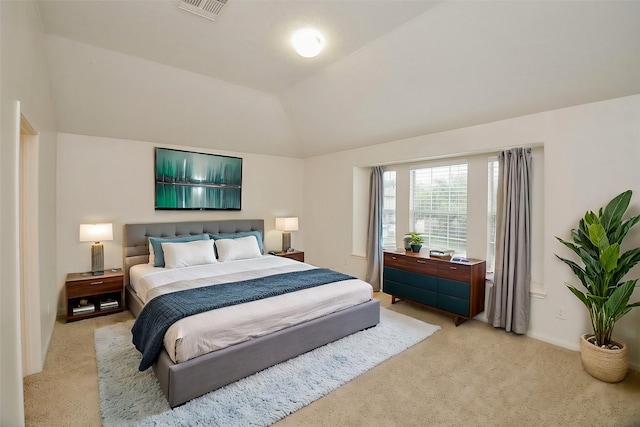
[[182, 382]]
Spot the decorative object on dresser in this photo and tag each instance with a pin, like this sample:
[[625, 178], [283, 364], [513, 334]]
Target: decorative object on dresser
[[454, 288], [415, 241], [87, 295], [287, 225], [297, 255], [96, 233], [444, 255], [405, 242]]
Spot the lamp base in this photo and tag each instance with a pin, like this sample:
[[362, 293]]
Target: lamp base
[[97, 259], [286, 241]]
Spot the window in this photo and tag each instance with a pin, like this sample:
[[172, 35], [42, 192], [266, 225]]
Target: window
[[492, 206], [389, 210], [438, 206]]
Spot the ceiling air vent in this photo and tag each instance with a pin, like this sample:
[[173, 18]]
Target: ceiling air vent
[[206, 8]]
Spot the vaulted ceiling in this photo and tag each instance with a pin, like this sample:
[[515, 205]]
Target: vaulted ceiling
[[392, 69]]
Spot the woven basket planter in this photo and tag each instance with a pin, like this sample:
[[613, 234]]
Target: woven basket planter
[[606, 365]]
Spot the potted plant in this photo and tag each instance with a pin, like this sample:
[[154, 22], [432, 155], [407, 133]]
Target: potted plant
[[415, 240], [597, 242]]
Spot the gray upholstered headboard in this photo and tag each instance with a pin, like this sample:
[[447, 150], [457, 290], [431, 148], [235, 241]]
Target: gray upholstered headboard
[[136, 244]]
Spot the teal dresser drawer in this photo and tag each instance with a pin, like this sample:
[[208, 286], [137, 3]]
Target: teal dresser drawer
[[454, 305], [416, 280], [453, 288], [402, 290]]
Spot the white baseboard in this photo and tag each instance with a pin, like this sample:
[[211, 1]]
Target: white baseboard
[[572, 346]]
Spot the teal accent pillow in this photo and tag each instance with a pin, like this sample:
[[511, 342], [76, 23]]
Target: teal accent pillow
[[256, 233], [156, 242]]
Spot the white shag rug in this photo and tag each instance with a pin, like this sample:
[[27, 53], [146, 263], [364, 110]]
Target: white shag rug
[[129, 397]]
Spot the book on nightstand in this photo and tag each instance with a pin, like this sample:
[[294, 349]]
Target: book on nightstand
[[109, 304], [83, 309]]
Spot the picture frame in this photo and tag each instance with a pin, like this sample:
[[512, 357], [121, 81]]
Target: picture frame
[[186, 180]]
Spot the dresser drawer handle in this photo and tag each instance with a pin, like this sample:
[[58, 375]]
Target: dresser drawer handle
[[393, 257], [421, 261], [453, 268], [97, 283]]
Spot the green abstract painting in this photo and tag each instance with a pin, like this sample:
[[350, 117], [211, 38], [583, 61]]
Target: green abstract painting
[[197, 181]]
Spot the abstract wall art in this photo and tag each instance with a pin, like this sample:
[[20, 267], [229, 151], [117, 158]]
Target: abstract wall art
[[197, 181]]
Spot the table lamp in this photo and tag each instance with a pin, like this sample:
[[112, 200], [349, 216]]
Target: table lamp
[[287, 225], [96, 233]]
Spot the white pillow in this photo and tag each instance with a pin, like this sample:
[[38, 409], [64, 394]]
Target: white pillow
[[184, 254], [152, 257], [240, 248]]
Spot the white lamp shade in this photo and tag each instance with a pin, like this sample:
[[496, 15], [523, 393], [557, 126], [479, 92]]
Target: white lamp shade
[[96, 232], [287, 224]]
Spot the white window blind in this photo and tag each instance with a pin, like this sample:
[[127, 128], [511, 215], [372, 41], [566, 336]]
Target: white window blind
[[438, 206], [389, 210], [492, 206]]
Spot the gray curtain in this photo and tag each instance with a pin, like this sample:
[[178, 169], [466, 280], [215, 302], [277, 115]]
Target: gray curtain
[[374, 234], [508, 305]]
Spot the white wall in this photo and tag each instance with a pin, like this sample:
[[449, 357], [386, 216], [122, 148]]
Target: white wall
[[138, 99], [23, 78], [591, 153], [112, 180]]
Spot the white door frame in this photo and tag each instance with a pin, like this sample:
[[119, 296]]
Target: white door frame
[[31, 312]]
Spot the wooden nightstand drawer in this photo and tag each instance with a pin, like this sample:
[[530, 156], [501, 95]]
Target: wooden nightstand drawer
[[93, 286]]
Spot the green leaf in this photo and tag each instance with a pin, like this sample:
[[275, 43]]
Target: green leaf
[[627, 261], [596, 300], [581, 236], [612, 214], [591, 261], [609, 257], [577, 270], [581, 296], [598, 236], [616, 304], [590, 218], [573, 247], [621, 232]]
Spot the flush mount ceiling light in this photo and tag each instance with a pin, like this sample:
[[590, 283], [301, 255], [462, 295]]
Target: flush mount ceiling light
[[307, 42]]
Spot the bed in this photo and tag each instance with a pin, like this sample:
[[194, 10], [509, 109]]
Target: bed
[[187, 370]]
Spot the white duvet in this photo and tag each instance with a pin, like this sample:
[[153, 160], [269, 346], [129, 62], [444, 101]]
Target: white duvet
[[217, 329]]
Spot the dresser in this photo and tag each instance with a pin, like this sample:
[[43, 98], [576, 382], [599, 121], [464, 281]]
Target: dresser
[[453, 288]]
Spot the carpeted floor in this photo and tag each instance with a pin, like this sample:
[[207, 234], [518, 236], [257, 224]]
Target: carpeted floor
[[472, 375]]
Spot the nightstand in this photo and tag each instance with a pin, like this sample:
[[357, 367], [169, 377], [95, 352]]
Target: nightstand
[[104, 294], [297, 255]]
